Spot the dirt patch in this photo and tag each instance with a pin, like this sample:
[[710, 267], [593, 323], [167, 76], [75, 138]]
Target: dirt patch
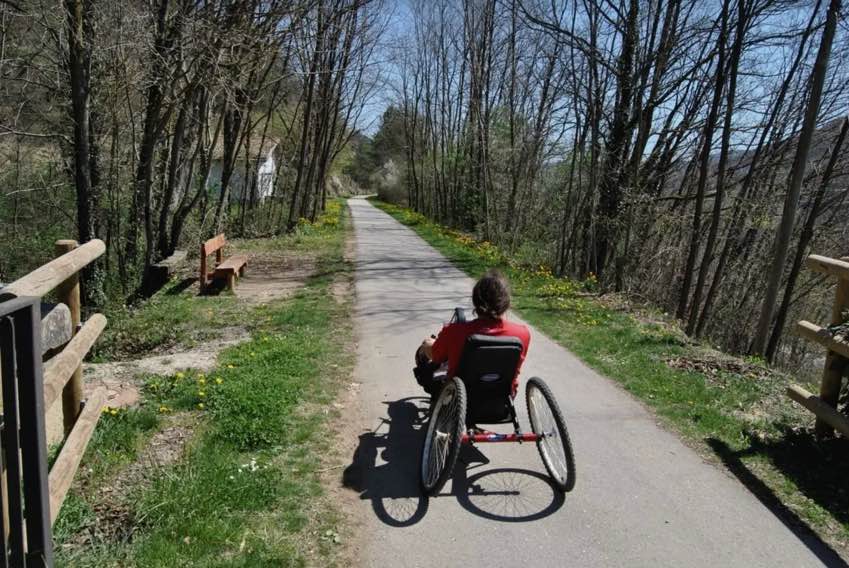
[[641, 310], [340, 290], [120, 378], [114, 521], [715, 369], [342, 287], [271, 276], [347, 417]]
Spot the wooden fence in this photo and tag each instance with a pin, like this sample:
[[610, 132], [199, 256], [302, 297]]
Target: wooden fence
[[824, 406], [60, 376]]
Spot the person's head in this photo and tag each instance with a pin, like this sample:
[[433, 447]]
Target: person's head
[[491, 295]]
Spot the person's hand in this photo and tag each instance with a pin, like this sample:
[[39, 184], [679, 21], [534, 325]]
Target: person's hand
[[427, 347]]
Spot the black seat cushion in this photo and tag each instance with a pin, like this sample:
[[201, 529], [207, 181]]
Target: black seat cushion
[[487, 368]]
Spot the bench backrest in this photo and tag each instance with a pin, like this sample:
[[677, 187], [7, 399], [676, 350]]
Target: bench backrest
[[213, 245]]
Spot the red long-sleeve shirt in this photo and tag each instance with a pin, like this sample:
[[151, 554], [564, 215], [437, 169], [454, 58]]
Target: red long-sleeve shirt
[[451, 340]]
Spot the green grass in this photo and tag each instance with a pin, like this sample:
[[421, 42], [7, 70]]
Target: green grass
[[247, 491], [736, 412]]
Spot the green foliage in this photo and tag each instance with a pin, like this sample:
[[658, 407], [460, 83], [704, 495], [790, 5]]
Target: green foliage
[[204, 502], [76, 515], [29, 227], [119, 436], [368, 155], [184, 390], [263, 380]]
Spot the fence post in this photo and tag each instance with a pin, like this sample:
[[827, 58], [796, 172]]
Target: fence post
[[68, 292], [835, 365]]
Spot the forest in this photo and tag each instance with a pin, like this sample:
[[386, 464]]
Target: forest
[[156, 124], [688, 154]]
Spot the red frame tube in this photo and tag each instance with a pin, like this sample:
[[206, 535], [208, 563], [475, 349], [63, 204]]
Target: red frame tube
[[492, 437]]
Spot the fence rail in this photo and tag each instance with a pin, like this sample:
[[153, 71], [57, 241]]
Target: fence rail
[[30, 388], [837, 358]]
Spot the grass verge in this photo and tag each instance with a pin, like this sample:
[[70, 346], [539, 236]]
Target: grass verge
[[732, 409], [246, 491]]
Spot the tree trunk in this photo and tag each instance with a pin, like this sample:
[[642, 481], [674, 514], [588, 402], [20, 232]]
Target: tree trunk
[[80, 32], [791, 201], [704, 163], [718, 200], [804, 241]]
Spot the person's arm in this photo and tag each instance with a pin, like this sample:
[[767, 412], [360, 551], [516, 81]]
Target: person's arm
[[437, 348], [440, 349]]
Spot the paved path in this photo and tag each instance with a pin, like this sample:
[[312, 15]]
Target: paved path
[[642, 497]]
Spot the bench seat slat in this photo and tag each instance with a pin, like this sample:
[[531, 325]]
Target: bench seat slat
[[232, 264]]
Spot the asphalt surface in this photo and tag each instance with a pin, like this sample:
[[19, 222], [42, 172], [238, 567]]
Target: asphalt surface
[[642, 497]]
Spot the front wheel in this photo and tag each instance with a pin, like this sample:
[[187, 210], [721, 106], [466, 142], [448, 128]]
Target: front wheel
[[554, 446], [444, 436]]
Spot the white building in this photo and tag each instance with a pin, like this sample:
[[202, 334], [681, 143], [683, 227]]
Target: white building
[[254, 175]]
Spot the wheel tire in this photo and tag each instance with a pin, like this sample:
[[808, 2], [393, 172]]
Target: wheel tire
[[447, 422], [536, 392]]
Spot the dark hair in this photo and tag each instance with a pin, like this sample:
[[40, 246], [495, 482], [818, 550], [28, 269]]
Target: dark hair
[[491, 295]]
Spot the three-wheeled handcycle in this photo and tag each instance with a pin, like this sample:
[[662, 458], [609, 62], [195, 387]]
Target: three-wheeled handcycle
[[481, 394]]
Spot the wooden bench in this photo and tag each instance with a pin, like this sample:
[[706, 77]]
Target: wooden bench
[[229, 269]]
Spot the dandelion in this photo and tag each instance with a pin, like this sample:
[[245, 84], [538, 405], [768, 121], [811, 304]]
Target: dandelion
[[219, 380], [200, 406], [230, 367], [201, 381], [114, 412], [180, 375], [106, 410], [164, 409]]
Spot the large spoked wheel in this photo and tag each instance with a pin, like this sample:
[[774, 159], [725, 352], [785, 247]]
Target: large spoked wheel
[[444, 436], [555, 448]]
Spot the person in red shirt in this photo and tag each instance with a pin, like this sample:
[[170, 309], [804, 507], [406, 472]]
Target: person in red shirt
[[491, 298]]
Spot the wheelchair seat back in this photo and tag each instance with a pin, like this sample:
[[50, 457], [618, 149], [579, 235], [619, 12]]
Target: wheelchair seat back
[[487, 368]]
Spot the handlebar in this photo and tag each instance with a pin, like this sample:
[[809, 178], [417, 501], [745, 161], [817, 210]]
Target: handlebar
[[459, 315]]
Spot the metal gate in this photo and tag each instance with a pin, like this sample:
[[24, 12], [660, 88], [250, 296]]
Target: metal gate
[[24, 497]]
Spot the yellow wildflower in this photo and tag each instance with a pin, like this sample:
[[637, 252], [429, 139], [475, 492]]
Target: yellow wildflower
[[200, 406]]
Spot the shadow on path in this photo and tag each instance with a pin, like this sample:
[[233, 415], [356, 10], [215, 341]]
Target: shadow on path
[[392, 486], [385, 470], [733, 461]]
